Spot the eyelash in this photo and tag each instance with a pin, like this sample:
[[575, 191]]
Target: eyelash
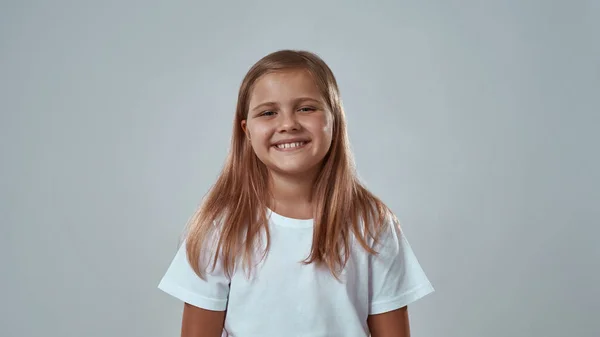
[[264, 113]]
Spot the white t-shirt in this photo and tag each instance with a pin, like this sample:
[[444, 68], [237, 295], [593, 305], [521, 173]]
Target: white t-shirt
[[284, 297]]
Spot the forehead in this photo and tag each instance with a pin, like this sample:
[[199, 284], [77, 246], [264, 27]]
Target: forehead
[[285, 85]]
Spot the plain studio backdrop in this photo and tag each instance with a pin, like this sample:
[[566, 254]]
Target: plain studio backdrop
[[476, 121]]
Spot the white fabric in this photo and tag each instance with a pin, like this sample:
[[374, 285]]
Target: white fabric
[[283, 297]]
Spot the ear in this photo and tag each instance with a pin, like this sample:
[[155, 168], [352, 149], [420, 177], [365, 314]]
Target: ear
[[244, 126]]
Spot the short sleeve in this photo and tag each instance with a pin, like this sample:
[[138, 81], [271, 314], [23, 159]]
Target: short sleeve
[[396, 277], [183, 283]]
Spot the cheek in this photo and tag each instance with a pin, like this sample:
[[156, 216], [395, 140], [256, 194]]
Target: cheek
[[260, 135], [320, 124], [326, 127]]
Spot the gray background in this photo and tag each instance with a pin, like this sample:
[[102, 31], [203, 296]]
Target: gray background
[[476, 121]]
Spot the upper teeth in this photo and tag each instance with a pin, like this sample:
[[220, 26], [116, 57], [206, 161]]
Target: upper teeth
[[290, 145]]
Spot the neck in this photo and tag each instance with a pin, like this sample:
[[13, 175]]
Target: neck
[[292, 195]]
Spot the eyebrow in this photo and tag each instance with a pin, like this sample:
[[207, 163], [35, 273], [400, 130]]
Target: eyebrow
[[299, 99]]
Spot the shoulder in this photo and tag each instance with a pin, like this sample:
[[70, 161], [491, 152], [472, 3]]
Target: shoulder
[[378, 225], [388, 235]]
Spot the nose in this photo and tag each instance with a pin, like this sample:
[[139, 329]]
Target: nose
[[288, 122]]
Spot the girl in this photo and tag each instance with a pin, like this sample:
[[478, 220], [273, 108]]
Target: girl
[[288, 242]]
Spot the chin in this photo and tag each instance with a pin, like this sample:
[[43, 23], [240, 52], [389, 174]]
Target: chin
[[298, 170]]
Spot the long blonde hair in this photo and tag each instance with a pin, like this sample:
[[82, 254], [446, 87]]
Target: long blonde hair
[[229, 222]]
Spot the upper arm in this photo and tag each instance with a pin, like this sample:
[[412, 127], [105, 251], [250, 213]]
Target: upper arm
[[390, 324], [205, 299], [182, 282], [396, 280], [198, 322]]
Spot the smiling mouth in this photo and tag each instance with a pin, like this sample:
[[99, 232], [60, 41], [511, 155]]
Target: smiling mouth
[[291, 146]]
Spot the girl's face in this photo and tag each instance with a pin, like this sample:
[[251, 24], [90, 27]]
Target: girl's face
[[288, 124]]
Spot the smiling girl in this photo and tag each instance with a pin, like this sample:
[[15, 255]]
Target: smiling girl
[[288, 242]]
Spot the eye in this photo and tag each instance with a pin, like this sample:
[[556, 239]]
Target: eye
[[267, 113], [307, 109]]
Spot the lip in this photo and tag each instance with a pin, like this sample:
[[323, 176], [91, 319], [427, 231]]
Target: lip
[[291, 140]]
